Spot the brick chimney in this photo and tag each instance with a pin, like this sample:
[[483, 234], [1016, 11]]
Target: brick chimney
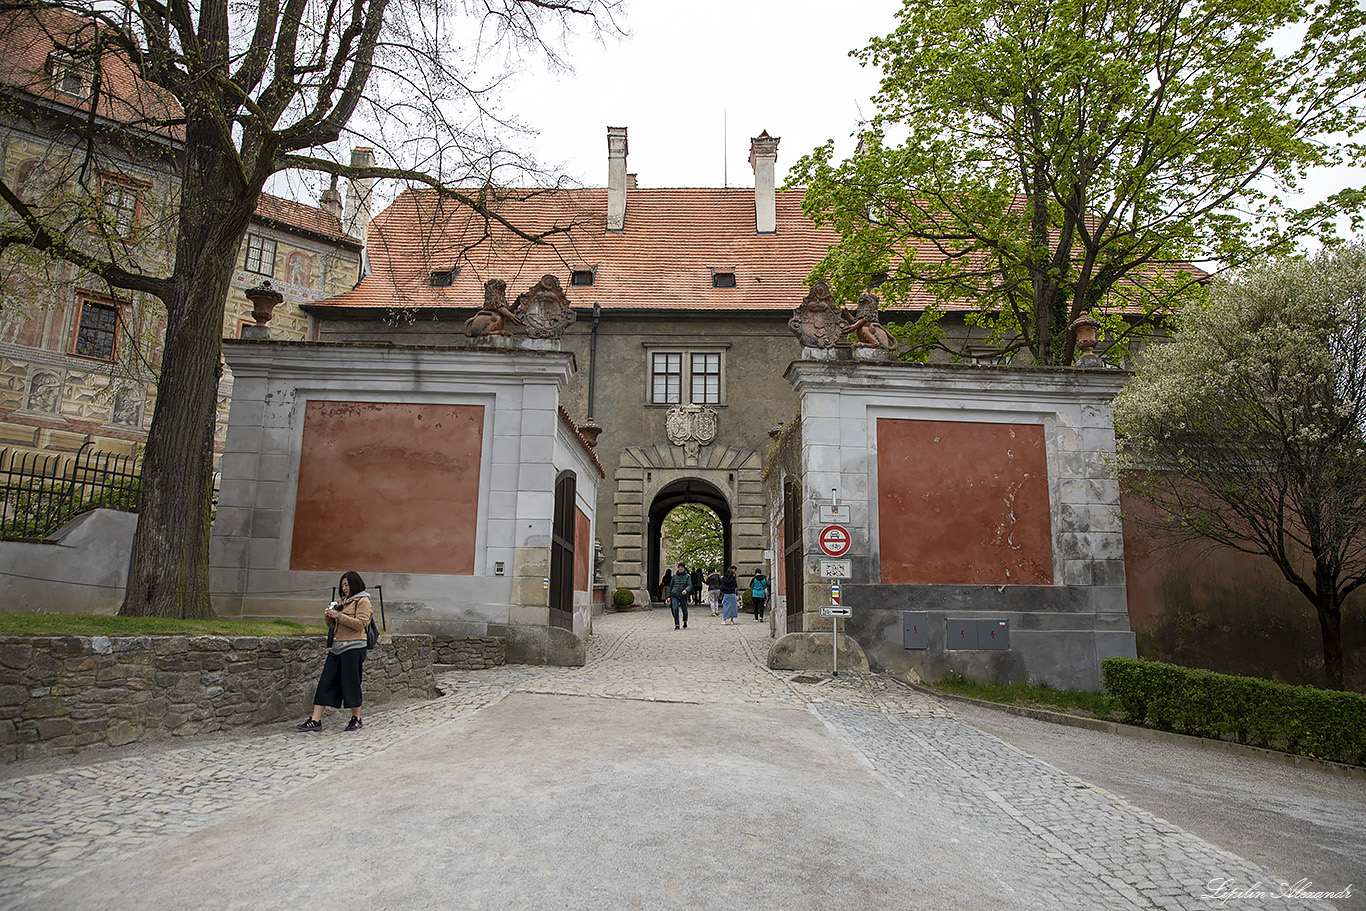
[[763, 156], [616, 178], [331, 201], [356, 221]]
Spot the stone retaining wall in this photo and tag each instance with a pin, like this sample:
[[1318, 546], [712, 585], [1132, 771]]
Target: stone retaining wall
[[59, 693], [469, 653]]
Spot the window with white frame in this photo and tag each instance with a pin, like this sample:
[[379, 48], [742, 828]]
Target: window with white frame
[[666, 378], [686, 378], [706, 378], [260, 255], [119, 208]]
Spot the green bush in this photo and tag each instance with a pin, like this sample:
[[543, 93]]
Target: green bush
[[1323, 724], [623, 596]]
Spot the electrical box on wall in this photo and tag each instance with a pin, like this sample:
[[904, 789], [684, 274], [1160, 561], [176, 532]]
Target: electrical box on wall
[[993, 634], [961, 634], [915, 631], [977, 634]]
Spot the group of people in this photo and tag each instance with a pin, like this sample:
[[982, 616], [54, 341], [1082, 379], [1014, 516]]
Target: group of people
[[681, 585]]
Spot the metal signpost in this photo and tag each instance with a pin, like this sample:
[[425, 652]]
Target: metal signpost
[[834, 612]]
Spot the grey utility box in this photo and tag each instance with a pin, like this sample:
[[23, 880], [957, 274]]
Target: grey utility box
[[961, 634], [915, 631], [993, 634]]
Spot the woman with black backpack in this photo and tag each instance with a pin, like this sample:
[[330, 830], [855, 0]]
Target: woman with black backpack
[[339, 685]]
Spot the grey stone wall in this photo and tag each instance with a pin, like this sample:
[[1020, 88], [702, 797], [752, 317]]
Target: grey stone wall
[[469, 653], [59, 693]]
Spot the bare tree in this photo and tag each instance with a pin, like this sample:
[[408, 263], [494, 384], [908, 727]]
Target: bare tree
[[237, 92]]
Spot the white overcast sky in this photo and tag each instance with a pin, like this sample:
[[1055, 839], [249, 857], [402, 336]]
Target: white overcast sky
[[694, 81]]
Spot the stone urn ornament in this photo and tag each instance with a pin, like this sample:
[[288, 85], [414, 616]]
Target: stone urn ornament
[[1087, 329], [264, 299]]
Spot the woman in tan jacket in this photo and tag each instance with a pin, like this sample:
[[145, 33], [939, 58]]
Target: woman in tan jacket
[[340, 682]]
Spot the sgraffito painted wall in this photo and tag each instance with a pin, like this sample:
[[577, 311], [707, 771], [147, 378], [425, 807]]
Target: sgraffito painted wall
[[390, 486], [963, 503]]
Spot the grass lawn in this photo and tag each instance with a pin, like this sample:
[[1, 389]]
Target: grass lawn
[[1035, 696], [91, 625]]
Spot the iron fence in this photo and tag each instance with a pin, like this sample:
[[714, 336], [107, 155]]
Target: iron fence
[[40, 492]]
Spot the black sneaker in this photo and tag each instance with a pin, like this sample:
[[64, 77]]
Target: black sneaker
[[354, 724], [309, 725]]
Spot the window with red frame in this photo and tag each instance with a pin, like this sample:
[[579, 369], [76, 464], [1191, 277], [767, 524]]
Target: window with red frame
[[97, 331]]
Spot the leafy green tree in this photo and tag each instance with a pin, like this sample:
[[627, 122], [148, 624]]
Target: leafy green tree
[[1042, 159], [237, 93], [1249, 430], [693, 534]]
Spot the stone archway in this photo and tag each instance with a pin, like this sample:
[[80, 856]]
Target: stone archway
[[646, 474]]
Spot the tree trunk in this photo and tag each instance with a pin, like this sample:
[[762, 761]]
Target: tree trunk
[[1330, 625], [169, 576]]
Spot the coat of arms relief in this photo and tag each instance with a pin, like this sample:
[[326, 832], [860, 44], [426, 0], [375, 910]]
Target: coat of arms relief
[[692, 427]]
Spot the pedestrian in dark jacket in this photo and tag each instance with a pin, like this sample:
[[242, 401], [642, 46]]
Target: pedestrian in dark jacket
[[664, 585], [730, 606], [678, 595], [714, 592]]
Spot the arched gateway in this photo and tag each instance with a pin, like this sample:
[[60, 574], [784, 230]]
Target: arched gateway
[[652, 480]]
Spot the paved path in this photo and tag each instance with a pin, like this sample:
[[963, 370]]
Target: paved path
[[673, 771]]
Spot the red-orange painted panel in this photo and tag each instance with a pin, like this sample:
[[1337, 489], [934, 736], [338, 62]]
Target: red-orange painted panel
[[963, 503], [388, 487], [583, 551]]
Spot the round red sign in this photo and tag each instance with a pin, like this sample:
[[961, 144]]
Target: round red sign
[[835, 540]]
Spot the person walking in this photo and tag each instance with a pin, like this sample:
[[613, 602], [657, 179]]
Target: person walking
[[697, 586], [730, 607], [339, 685], [714, 592], [678, 594], [665, 584], [758, 593]]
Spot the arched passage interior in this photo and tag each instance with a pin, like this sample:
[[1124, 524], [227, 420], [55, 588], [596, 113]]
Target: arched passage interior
[[676, 494]]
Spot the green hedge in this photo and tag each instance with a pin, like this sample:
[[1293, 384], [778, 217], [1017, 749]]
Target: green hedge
[[1323, 724]]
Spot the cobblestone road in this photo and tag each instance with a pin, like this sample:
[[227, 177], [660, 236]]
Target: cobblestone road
[[1068, 845]]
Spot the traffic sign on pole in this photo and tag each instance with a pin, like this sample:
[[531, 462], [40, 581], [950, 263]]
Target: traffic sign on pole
[[834, 610], [837, 569], [835, 540]]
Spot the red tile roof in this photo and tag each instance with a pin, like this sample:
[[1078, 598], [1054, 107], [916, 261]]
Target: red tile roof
[[28, 40], [663, 260], [674, 239], [299, 215]]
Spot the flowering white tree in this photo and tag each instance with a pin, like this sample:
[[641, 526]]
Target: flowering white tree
[[1249, 430]]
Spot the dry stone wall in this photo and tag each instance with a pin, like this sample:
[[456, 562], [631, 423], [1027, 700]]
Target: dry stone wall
[[59, 693]]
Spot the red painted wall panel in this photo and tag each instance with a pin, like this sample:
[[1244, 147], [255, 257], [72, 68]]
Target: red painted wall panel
[[583, 551], [388, 487], [963, 503]]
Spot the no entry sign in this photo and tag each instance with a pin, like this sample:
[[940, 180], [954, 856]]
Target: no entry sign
[[835, 540]]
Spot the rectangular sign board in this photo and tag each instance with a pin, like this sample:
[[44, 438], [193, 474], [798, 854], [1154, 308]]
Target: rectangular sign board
[[833, 515], [837, 569], [830, 610]]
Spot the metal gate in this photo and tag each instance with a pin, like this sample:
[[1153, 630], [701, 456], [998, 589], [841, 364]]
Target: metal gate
[[562, 555], [793, 557]]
